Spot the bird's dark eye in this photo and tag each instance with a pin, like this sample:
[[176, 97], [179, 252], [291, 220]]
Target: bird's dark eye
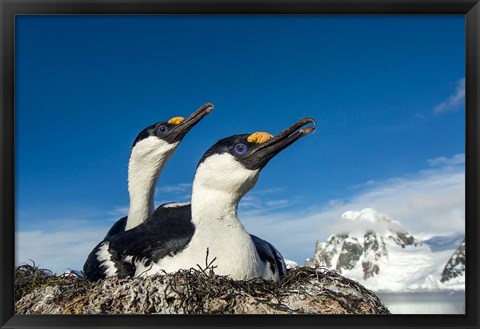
[[240, 149], [162, 130]]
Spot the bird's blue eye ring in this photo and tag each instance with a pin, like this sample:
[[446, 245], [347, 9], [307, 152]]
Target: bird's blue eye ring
[[240, 149], [162, 130]]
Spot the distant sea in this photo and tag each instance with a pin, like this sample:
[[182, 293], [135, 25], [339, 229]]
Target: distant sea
[[425, 302]]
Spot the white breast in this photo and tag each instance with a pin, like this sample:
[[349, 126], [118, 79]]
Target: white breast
[[228, 243]]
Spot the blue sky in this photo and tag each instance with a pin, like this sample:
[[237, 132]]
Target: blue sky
[[387, 93]]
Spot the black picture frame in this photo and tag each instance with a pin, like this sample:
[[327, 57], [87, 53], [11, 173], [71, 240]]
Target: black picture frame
[[10, 8]]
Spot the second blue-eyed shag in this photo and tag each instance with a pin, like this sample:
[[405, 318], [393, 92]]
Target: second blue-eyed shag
[[151, 150]]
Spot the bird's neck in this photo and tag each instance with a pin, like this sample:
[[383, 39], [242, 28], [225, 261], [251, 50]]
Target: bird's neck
[[209, 205], [219, 232], [216, 196], [142, 180], [216, 193]]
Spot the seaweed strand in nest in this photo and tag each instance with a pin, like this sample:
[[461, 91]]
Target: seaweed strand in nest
[[31, 277]]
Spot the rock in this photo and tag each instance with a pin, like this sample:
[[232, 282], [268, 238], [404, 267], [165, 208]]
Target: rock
[[303, 290], [351, 252], [455, 266]]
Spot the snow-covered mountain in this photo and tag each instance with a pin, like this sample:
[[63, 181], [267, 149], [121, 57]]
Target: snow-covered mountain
[[454, 272], [378, 252], [289, 264]]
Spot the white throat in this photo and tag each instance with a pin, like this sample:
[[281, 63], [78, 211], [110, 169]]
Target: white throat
[[146, 163], [219, 184]]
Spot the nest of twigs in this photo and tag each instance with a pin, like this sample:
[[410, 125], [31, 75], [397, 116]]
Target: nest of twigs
[[303, 290]]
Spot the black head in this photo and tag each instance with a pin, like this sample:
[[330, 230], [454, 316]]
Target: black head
[[255, 150], [176, 128]]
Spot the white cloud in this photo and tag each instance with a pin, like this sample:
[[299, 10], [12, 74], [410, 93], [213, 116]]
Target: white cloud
[[431, 201], [58, 248], [265, 200], [370, 182], [443, 161], [179, 188], [455, 101], [278, 203], [180, 192], [117, 213]]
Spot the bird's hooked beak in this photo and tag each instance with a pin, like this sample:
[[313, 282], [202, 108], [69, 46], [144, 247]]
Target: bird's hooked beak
[[274, 145], [184, 125]]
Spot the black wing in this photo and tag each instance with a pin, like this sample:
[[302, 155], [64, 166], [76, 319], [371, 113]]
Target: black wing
[[118, 227], [268, 253], [96, 269], [166, 232]]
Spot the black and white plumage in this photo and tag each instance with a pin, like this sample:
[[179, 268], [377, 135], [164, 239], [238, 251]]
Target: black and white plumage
[[170, 240], [151, 150], [169, 232]]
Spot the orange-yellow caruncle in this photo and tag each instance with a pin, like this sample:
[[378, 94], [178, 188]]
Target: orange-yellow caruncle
[[176, 120], [259, 137]]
